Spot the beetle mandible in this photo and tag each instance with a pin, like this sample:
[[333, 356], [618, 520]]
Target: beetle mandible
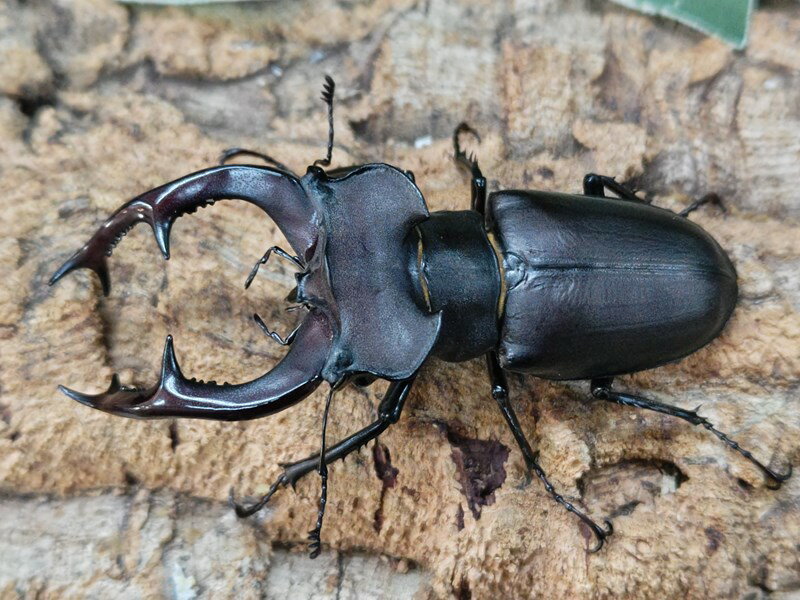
[[559, 286]]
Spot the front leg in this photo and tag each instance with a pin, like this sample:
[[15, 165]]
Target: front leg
[[388, 413]]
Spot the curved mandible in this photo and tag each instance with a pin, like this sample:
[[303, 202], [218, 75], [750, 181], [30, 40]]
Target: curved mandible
[[278, 194], [291, 380]]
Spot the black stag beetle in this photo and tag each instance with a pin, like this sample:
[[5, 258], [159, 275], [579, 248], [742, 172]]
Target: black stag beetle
[[560, 286]]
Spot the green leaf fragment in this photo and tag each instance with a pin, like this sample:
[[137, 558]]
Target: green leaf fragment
[[726, 19]]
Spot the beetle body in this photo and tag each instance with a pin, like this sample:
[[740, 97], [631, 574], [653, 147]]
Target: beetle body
[[560, 286]]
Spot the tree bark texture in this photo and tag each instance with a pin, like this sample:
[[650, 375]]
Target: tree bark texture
[[100, 101]]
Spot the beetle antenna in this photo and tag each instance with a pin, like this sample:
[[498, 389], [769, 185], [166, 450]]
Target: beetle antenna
[[263, 260], [322, 469], [327, 97], [274, 334]]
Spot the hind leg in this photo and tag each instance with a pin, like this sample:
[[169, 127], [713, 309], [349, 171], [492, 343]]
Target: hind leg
[[601, 389], [595, 185], [710, 198]]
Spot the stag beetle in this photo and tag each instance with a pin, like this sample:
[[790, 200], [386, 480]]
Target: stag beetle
[[559, 286]]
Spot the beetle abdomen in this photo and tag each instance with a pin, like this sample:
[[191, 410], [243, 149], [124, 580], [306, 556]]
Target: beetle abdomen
[[600, 286]]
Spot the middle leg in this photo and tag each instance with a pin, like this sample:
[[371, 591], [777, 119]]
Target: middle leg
[[500, 394]]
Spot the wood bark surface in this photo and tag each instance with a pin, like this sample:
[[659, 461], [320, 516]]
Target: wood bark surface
[[99, 102]]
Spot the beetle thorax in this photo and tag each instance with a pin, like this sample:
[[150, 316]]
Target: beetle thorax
[[457, 274]]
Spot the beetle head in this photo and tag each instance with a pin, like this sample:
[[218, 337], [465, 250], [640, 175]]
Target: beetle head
[[354, 236]]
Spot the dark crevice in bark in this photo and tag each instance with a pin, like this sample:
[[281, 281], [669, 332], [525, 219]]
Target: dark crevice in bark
[[481, 468], [388, 476], [174, 439]]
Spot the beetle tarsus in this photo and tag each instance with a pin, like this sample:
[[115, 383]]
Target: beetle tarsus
[[328, 90], [243, 511], [295, 260], [314, 535], [595, 185], [601, 389], [600, 534]]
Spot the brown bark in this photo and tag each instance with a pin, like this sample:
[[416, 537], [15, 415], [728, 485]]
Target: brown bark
[[100, 102]]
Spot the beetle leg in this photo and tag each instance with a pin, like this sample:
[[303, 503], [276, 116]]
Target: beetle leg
[[263, 260], [291, 380], [710, 198], [601, 389], [229, 153], [470, 162], [315, 535], [388, 413], [500, 394], [327, 97], [595, 185]]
